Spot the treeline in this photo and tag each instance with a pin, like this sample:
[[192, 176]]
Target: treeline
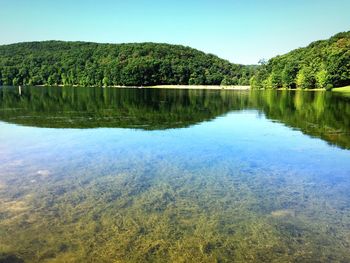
[[323, 64], [92, 64]]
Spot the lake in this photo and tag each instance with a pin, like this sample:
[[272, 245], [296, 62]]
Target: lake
[[153, 175]]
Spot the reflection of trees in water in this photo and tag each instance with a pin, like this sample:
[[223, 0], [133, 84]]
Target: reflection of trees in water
[[320, 114], [109, 107]]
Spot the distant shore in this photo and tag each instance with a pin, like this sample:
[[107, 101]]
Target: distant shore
[[205, 87], [208, 87]]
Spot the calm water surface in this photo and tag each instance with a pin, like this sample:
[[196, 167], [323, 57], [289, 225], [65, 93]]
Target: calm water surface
[[136, 175]]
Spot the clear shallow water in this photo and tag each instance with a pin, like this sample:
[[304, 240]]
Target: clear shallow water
[[184, 176]]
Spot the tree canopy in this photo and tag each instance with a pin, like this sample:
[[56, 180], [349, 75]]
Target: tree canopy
[[322, 64], [93, 64]]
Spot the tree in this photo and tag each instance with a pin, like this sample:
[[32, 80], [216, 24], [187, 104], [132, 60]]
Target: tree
[[289, 74], [305, 79], [254, 83], [15, 82], [274, 81], [322, 78], [50, 81], [228, 81], [105, 81]]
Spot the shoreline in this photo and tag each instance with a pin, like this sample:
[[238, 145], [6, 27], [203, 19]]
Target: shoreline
[[345, 89], [203, 87], [199, 87]]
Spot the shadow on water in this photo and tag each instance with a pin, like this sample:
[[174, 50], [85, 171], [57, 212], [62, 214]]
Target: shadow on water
[[320, 114]]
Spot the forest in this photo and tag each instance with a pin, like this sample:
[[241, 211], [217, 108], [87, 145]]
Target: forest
[[93, 64], [323, 64]]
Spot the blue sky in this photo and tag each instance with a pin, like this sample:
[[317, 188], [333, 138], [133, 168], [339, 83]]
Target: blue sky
[[241, 31]]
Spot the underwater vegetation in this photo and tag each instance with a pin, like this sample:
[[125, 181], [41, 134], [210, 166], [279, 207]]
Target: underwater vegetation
[[158, 211]]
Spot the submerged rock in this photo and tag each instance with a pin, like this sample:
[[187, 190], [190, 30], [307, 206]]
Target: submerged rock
[[43, 172], [283, 213]]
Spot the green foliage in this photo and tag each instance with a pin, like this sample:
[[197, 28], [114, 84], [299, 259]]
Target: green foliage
[[254, 82], [305, 79], [259, 80], [322, 78], [289, 74], [91, 64], [322, 64], [227, 81], [106, 81], [274, 81]]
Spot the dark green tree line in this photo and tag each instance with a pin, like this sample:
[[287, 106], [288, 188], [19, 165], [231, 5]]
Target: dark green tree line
[[92, 64]]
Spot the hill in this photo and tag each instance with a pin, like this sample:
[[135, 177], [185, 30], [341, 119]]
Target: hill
[[93, 64], [322, 64]]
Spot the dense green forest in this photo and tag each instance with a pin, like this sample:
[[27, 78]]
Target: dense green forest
[[322, 64], [92, 64]]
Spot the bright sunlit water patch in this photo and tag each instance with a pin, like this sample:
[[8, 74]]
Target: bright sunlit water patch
[[210, 177]]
